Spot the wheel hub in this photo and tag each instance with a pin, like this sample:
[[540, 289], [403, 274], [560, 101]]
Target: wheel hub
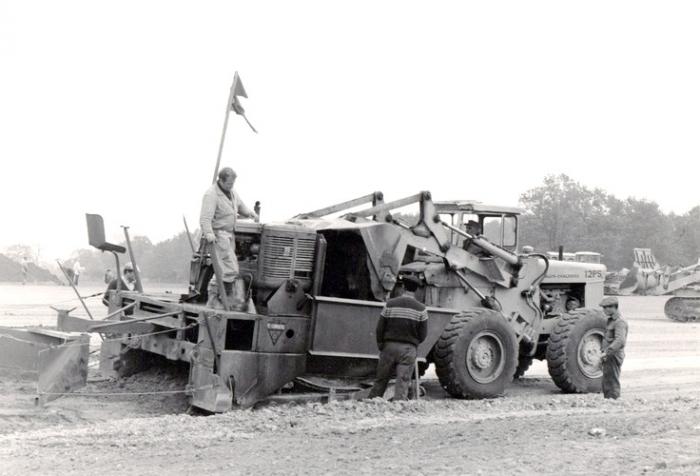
[[485, 357], [589, 353]]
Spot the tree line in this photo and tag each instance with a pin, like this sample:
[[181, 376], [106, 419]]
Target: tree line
[[167, 261], [561, 211]]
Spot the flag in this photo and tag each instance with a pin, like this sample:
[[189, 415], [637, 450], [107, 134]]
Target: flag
[[237, 90]]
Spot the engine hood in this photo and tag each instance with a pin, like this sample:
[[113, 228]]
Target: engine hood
[[573, 272]]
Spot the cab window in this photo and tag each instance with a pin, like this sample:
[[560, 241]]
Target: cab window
[[501, 230], [510, 232], [492, 229]]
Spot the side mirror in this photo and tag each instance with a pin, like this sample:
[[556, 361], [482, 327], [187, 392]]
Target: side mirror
[[96, 234]]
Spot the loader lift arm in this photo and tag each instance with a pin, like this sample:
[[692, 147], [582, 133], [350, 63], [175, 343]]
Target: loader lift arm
[[430, 225], [375, 198]]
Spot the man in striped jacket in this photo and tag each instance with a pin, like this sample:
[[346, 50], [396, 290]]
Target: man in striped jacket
[[402, 325]]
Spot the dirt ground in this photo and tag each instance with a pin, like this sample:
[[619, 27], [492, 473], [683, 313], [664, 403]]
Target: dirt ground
[[533, 428]]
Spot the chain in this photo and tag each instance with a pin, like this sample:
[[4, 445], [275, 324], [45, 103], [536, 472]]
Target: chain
[[18, 368], [136, 336], [118, 394], [40, 305]]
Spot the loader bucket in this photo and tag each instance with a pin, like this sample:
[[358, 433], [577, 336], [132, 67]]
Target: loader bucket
[[629, 284], [58, 359]]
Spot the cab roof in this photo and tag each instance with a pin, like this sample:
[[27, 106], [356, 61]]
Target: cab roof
[[472, 206]]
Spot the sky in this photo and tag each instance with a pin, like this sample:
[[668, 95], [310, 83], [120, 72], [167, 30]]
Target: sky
[[117, 107]]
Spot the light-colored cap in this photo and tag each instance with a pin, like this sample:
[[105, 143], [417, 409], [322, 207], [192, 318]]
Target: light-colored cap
[[609, 301]]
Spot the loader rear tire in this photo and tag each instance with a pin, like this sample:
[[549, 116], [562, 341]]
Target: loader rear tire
[[476, 354], [573, 351]]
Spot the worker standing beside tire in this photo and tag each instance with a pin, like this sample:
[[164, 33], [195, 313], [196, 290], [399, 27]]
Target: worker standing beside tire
[[613, 347], [402, 326]]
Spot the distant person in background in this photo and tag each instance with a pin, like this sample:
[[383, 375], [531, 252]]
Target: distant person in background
[[77, 269], [128, 282], [109, 276], [69, 275], [25, 269]]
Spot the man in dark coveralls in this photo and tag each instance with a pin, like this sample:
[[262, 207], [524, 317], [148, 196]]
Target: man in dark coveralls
[[402, 325], [128, 283], [613, 347]]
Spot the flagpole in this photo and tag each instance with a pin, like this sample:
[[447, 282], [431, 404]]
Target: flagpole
[[223, 131]]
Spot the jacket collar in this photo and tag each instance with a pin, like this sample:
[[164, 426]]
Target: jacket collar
[[228, 195]]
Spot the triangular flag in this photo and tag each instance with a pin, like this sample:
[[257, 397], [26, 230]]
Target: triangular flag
[[237, 86], [237, 89]]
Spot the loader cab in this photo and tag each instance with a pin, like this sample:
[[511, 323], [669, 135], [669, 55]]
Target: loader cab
[[497, 224]]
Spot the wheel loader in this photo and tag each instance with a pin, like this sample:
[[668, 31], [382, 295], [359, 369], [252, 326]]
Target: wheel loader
[[315, 285]]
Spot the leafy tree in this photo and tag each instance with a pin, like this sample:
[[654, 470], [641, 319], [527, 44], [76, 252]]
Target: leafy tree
[[686, 229], [18, 251], [563, 212], [559, 212]]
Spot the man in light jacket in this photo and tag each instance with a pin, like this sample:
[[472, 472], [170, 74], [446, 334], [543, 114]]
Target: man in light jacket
[[221, 206]]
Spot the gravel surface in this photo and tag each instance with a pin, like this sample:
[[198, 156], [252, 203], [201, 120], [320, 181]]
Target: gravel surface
[[534, 429]]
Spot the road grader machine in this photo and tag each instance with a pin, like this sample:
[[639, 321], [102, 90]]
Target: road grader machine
[[316, 285]]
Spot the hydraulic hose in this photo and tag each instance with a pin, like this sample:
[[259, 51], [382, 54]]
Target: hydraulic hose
[[539, 279], [530, 293]]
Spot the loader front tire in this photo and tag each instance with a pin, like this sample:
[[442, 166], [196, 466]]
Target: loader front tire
[[573, 351], [476, 354]]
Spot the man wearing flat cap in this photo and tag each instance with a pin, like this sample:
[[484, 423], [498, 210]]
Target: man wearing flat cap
[[613, 347], [402, 326], [125, 282]]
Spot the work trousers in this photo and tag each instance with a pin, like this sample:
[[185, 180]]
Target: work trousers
[[226, 250], [611, 376], [395, 355]]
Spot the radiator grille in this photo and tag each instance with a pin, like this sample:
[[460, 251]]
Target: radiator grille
[[288, 257]]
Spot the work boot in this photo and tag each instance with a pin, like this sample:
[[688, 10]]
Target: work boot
[[238, 296], [228, 288]]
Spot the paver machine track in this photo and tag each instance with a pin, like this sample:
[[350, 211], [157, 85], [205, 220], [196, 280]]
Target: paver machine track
[[683, 308]]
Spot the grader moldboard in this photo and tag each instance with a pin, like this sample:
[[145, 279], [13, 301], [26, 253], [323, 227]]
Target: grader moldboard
[[316, 286]]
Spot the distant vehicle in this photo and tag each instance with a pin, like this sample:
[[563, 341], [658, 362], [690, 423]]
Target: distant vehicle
[[648, 277], [578, 257], [553, 255], [588, 257]]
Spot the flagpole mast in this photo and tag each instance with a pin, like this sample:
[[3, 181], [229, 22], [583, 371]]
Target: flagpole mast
[[223, 131]]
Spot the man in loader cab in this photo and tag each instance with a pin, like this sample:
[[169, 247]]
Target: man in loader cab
[[221, 206], [613, 347], [402, 326]]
